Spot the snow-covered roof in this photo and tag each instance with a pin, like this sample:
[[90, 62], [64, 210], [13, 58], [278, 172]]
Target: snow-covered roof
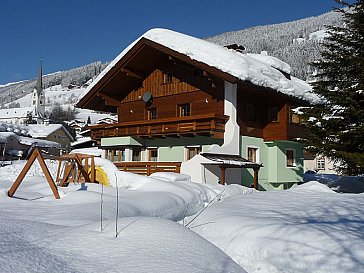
[[272, 61], [81, 141], [3, 139], [15, 112], [43, 130], [259, 70], [28, 141], [16, 128]]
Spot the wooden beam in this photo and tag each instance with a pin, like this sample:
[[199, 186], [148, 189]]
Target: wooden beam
[[109, 100], [256, 171], [36, 154], [222, 174], [132, 74]]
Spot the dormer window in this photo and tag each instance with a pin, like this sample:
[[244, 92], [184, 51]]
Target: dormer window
[[168, 77]]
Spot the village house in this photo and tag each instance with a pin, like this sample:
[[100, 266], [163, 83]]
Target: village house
[[14, 146], [52, 132], [32, 114], [222, 115]]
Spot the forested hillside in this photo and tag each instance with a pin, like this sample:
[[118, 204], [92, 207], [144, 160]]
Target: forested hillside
[[75, 77], [297, 43]]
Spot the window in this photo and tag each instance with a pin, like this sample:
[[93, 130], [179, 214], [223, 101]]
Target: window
[[192, 151], [252, 153], [136, 154], [294, 118], [320, 164], [290, 158], [273, 114], [250, 112], [152, 113], [153, 154], [167, 77], [115, 155], [184, 110]]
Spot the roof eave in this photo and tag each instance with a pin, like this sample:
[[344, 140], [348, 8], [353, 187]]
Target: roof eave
[[92, 92]]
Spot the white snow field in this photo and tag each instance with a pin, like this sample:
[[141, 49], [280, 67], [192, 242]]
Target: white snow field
[[306, 229]]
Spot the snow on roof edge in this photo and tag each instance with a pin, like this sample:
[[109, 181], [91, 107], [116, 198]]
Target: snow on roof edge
[[241, 66]]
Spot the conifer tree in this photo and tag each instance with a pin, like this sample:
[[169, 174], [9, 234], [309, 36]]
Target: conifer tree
[[336, 126]]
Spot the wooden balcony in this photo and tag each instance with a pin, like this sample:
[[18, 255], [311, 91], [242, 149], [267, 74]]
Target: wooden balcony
[[147, 168], [210, 125]]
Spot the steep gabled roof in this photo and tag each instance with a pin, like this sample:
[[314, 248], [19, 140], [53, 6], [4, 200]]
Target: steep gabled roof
[[222, 62], [43, 131]]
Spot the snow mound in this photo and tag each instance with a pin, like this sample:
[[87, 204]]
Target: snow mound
[[313, 186], [171, 177]]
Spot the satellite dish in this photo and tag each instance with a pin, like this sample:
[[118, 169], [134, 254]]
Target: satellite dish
[[147, 97]]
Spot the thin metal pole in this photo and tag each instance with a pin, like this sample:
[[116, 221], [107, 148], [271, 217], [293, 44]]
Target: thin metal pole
[[102, 193], [117, 206]]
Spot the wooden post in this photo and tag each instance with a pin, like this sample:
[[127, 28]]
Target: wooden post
[[58, 170], [256, 171], [222, 174], [66, 174], [35, 155], [93, 172]]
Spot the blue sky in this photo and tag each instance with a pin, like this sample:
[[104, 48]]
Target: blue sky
[[69, 33]]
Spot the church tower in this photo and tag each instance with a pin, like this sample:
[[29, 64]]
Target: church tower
[[38, 98]]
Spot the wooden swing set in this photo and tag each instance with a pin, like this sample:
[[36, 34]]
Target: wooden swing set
[[77, 169]]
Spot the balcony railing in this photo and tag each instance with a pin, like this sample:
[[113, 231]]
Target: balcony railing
[[147, 168], [210, 125]]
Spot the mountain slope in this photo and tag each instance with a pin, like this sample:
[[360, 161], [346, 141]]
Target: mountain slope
[[296, 43], [73, 77]]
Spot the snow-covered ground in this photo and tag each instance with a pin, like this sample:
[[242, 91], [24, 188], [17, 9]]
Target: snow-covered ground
[[306, 229]]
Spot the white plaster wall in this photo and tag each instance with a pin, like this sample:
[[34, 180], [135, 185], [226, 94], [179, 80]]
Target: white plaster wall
[[231, 143], [311, 165], [211, 174]]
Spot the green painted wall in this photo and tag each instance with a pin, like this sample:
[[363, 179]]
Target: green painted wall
[[121, 141], [280, 173], [247, 174], [169, 149], [274, 174], [175, 153]]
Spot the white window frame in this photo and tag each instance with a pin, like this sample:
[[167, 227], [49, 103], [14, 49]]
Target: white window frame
[[257, 152], [294, 158], [320, 160]]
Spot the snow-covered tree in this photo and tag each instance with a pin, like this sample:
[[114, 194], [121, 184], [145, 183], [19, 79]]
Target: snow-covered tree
[[336, 127]]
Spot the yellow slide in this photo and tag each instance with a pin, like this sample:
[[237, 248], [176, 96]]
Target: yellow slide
[[100, 176]]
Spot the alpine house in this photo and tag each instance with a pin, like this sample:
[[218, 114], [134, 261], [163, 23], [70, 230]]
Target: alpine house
[[222, 115]]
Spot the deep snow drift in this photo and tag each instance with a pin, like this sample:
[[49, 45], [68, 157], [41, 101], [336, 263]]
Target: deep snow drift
[[306, 229]]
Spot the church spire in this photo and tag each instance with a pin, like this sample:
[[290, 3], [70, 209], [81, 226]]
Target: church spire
[[39, 84]]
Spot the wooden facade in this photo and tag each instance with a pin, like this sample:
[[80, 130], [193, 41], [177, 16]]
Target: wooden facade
[[173, 82]]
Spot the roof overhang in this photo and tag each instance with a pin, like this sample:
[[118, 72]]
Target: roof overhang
[[229, 161], [128, 70]]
